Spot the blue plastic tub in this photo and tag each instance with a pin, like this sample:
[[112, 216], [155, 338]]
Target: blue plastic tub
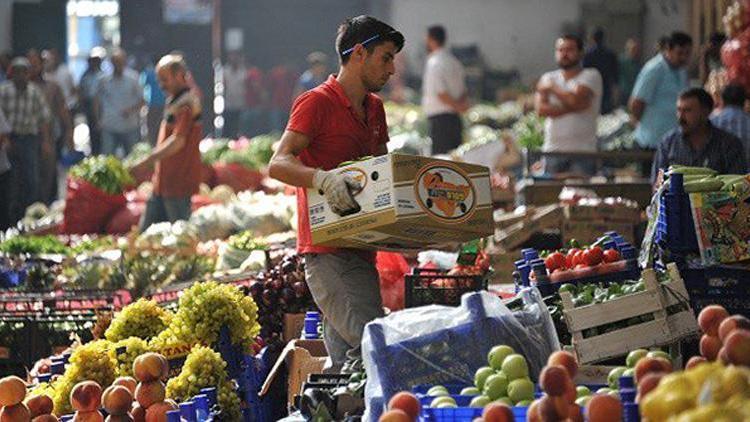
[[721, 285], [463, 414], [675, 231]]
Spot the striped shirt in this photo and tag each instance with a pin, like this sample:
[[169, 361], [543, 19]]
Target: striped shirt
[[737, 122], [25, 111], [723, 153]]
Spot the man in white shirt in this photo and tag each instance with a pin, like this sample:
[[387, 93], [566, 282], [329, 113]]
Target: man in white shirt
[[235, 74], [569, 98], [57, 71], [443, 93]]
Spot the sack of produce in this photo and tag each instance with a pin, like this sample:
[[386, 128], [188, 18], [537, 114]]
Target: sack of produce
[[392, 267], [127, 217], [446, 345], [237, 176], [95, 193], [212, 222], [238, 249]]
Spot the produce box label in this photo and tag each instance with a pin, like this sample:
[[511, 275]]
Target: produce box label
[[407, 202], [722, 226], [176, 355]]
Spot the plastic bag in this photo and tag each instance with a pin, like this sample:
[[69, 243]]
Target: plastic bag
[[88, 208], [238, 177], [212, 222], [440, 344], [392, 267], [231, 257]]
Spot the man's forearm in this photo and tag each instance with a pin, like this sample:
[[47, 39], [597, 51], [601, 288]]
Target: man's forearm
[[290, 170], [166, 149], [455, 104], [637, 108]]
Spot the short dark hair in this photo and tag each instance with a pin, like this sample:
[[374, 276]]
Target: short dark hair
[[717, 39], [573, 37], [700, 94], [679, 39], [734, 95], [598, 35], [437, 33], [358, 30]]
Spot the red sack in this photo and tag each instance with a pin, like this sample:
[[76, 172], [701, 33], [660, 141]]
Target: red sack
[[392, 267], [238, 177], [208, 175], [88, 208], [127, 217]]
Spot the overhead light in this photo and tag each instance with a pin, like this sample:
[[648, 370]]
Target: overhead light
[[88, 8]]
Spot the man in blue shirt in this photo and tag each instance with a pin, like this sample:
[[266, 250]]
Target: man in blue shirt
[[315, 75], [732, 118], [660, 82], [696, 142]]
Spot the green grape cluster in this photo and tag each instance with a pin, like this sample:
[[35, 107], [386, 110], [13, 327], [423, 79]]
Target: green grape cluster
[[204, 368], [204, 309], [90, 362], [143, 319], [125, 351]]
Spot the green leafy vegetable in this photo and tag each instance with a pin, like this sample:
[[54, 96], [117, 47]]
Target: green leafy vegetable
[[105, 172]]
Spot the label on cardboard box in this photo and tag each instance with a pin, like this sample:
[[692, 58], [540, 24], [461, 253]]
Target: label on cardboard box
[[407, 202]]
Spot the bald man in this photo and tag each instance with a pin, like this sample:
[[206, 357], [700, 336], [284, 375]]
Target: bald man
[[176, 158]]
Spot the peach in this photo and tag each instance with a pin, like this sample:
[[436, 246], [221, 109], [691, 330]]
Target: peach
[[128, 382], [157, 412], [40, 405], [138, 413], [150, 367], [12, 390], [709, 347], [603, 408], [119, 418], [45, 418], [406, 402], [732, 323], [650, 364], [649, 382], [117, 400], [570, 392], [532, 413], [553, 408], [554, 380], [148, 393], [497, 412], [90, 416], [395, 415], [710, 318], [566, 360], [695, 361], [16, 413], [86, 396], [737, 347], [575, 413], [723, 356]]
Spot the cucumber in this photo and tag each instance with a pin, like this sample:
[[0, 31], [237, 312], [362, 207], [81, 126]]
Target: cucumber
[[690, 170], [703, 185]]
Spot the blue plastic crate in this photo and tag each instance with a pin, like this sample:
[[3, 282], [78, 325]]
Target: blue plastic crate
[[630, 412], [463, 414], [721, 285], [675, 231]]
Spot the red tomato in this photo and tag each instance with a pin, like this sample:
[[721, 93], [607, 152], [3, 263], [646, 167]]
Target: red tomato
[[578, 258], [569, 258], [555, 261], [612, 255], [593, 256]]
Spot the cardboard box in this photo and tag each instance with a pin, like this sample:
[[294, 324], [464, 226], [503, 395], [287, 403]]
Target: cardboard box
[[293, 325], [588, 231], [408, 202], [515, 235], [603, 212], [298, 360]]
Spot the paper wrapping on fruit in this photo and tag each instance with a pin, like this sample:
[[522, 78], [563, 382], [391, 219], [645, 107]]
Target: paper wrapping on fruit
[[721, 225], [440, 344]]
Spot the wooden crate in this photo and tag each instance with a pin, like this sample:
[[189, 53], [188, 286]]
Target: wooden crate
[[664, 329], [513, 236]]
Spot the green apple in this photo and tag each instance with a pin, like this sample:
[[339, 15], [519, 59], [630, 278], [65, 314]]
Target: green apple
[[437, 391], [635, 356], [440, 400], [480, 401], [583, 401], [582, 391], [604, 390], [615, 394], [497, 355], [481, 376], [630, 372], [505, 400], [496, 386], [515, 366], [613, 379], [446, 405], [521, 389], [659, 354], [470, 391], [524, 403]]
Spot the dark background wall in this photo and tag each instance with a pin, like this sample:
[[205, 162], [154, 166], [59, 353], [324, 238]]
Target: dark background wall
[[39, 25]]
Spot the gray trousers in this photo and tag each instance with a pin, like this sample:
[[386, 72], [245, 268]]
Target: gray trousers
[[347, 290]]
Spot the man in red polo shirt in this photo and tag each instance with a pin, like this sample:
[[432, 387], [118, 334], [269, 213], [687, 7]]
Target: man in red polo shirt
[[340, 120], [176, 158]]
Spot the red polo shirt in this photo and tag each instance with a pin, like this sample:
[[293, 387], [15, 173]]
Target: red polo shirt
[[336, 135]]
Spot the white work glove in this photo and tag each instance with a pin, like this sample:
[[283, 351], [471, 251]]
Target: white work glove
[[337, 189]]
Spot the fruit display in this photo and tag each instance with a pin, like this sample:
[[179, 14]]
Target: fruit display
[[125, 352], [725, 338], [143, 319], [105, 172], [575, 263], [89, 362], [280, 291], [205, 368], [206, 307], [702, 179]]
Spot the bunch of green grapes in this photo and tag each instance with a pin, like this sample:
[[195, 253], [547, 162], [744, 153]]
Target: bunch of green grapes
[[143, 319], [204, 368], [125, 351], [90, 362], [204, 309]]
